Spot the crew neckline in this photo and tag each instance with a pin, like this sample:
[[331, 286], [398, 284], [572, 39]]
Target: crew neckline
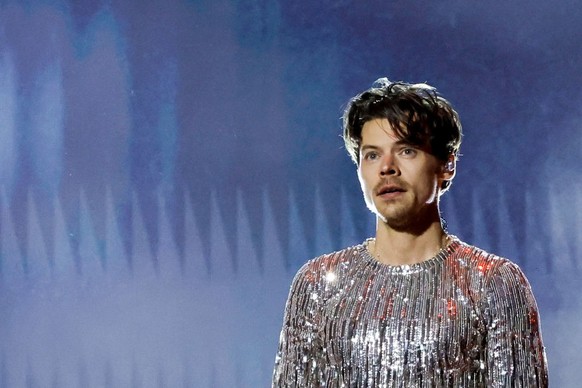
[[438, 258]]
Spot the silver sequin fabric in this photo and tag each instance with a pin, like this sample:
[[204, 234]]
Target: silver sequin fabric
[[464, 318]]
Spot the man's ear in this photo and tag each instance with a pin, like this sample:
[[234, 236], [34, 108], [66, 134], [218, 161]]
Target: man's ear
[[449, 168]]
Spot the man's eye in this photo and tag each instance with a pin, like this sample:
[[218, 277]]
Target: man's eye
[[371, 156], [408, 152]]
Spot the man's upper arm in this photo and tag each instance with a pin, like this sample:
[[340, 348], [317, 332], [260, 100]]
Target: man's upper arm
[[297, 363], [515, 351]]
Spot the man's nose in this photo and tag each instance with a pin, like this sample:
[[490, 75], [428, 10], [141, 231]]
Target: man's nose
[[389, 166]]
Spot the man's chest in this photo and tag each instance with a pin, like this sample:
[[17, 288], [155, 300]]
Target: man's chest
[[403, 326]]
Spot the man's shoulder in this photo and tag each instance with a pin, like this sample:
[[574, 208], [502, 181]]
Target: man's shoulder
[[321, 265], [483, 261]]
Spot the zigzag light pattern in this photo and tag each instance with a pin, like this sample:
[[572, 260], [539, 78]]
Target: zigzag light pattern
[[111, 320]]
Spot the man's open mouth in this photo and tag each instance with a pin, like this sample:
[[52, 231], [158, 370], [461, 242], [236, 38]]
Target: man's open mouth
[[390, 190]]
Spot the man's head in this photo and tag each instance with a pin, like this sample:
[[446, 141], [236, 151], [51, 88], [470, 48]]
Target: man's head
[[416, 112]]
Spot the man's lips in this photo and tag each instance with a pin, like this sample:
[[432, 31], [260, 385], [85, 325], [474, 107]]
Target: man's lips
[[390, 189]]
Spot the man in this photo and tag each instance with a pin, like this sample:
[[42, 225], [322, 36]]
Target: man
[[414, 306]]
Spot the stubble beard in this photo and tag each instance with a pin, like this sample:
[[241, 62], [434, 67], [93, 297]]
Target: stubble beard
[[395, 213], [402, 215], [396, 216]]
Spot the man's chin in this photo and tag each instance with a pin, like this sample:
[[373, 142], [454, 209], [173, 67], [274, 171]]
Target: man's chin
[[405, 221], [396, 223], [395, 220]]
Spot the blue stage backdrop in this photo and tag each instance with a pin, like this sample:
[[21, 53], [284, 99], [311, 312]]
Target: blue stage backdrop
[[167, 166]]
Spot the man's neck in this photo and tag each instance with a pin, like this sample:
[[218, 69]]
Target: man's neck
[[395, 247]]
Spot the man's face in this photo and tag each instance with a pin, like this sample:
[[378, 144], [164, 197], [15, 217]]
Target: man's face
[[400, 181]]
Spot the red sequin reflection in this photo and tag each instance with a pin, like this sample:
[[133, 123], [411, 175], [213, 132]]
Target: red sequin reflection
[[452, 308]]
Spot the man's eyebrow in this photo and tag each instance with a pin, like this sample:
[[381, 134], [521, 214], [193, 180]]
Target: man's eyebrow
[[369, 146], [405, 142], [398, 143]]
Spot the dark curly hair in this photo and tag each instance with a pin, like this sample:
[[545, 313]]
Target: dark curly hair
[[416, 112]]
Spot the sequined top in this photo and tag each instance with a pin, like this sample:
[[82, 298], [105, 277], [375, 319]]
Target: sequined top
[[464, 318]]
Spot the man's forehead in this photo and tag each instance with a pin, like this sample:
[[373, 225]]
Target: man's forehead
[[377, 128], [380, 130]]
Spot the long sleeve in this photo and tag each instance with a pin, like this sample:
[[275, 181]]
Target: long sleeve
[[515, 351], [298, 362]]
